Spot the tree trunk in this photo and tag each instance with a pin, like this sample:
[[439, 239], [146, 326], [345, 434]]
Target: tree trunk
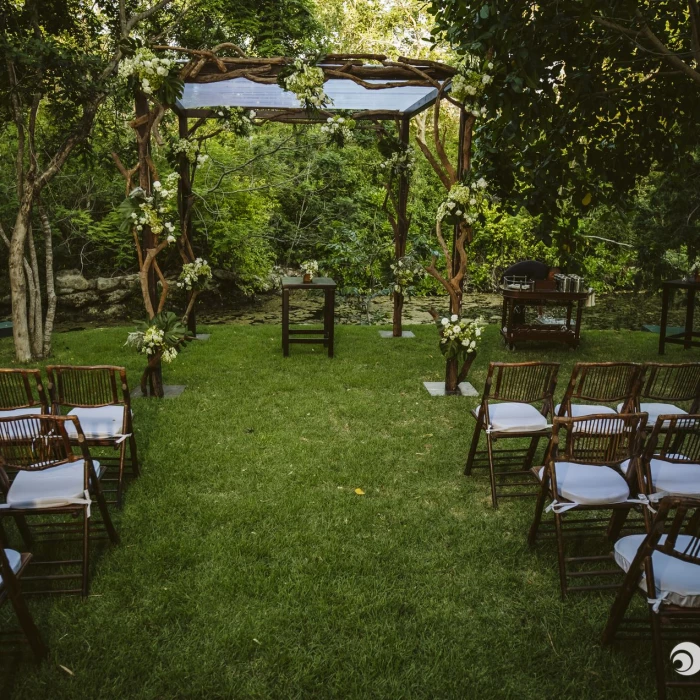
[[18, 283], [50, 287], [398, 311], [37, 333], [451, 375]]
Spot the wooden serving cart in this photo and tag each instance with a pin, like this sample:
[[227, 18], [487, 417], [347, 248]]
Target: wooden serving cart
[[568, 333]]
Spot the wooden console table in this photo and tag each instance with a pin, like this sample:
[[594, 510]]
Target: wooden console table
[[686, 337], [567, 334], [328, 287]]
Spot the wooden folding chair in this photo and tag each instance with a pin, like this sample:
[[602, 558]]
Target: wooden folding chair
[[22, 393], [583, 474], [52, 480], [99, 397], [12, 566], [664, 567], [594, 385], [507, 411], [663, 387]]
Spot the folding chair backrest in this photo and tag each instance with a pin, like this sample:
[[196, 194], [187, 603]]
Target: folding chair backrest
[[35, 443], [87, 387], [604, 439], [671, 383], [521, 382], [675, 438], [603, 382], [676, 515], [17, 390]]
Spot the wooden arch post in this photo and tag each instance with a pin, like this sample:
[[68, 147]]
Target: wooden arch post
[[401, 227]]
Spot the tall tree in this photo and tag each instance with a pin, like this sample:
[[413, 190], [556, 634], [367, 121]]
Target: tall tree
[[588, 95], [59, 63]]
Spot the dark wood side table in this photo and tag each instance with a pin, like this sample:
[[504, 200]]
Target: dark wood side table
[[328, 287], [686, 337], [513, 333]]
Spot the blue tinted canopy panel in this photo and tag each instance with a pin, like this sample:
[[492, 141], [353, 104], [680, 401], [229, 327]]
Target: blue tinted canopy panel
[[345, 94]]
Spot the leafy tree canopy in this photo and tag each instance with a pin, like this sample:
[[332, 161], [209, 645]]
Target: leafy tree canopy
[[588, 95]]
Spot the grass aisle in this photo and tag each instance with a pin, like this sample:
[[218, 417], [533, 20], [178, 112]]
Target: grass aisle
[[250, 568]]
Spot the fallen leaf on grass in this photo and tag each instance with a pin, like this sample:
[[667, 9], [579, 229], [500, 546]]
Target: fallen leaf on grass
[[359, 492], [66, 669]]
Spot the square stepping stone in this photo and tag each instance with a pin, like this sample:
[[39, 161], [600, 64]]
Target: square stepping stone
[[390, 334], [203, 336], [170, 391], [438, 388]]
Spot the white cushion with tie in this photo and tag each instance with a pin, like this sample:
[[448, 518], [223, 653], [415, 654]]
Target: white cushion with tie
[[588, 484], [514, 417]]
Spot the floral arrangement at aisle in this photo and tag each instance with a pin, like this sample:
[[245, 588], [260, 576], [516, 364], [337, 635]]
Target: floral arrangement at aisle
[[236, 120], [465, 201], [139, 209], [468, 87], [194, 275], [305, 79], [338, 130], [406, 270], [157, 339], [155, 76], [309, 269], [459, 340]]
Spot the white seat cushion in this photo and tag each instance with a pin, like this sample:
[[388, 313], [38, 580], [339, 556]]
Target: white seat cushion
[[55, 486], [14, 559], [98, 423], [12, 412], [584, 409], [673, 478], [658, 409], [679, 580], [589, 484], [515, 417]]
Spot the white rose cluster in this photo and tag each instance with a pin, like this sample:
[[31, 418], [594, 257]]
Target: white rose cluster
[[152, 341], [468, 87], [310, 267], [338, 129], [464, 202], [152, 210], [306, 82], [194, 275], [236, 120], [148, 68], [401, 162], [460, 336]]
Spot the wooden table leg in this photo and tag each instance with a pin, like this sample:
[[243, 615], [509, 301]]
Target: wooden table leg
[[689, 319], [664, 318], [330, 318], [285, 322], [509, 324], [577, 330], [569, 311]]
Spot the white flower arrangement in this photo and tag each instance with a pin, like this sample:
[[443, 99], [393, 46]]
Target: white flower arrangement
[[155, 210], [162, 334], [194, 275], [306, 81], [464, 202], [310, 267], [695, 267], [148, 68], [406, 271], [186, 147], [338, 129], [468, 88], [459, 337], [401, 162], [236, 120]]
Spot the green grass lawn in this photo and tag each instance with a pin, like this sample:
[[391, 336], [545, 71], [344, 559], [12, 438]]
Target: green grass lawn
[[250, 568]]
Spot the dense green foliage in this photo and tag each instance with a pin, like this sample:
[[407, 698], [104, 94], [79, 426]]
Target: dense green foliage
[[250, 568]]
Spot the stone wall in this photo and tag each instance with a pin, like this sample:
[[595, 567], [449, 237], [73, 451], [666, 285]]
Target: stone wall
[[107, 297]]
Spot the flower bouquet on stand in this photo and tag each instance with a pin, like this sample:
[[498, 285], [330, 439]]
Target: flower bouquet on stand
[[459, 339], [310, 270]]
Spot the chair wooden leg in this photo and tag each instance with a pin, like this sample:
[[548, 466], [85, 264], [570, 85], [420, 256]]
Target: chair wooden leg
[[133, 454], [120, 476], [617, 522], [531, 451], [104, 512], [558, 527], [619, 608], [24, 531], [86, 553], [472, 448], [539, 509], [31, 631], [492, 470], [658, 655]]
